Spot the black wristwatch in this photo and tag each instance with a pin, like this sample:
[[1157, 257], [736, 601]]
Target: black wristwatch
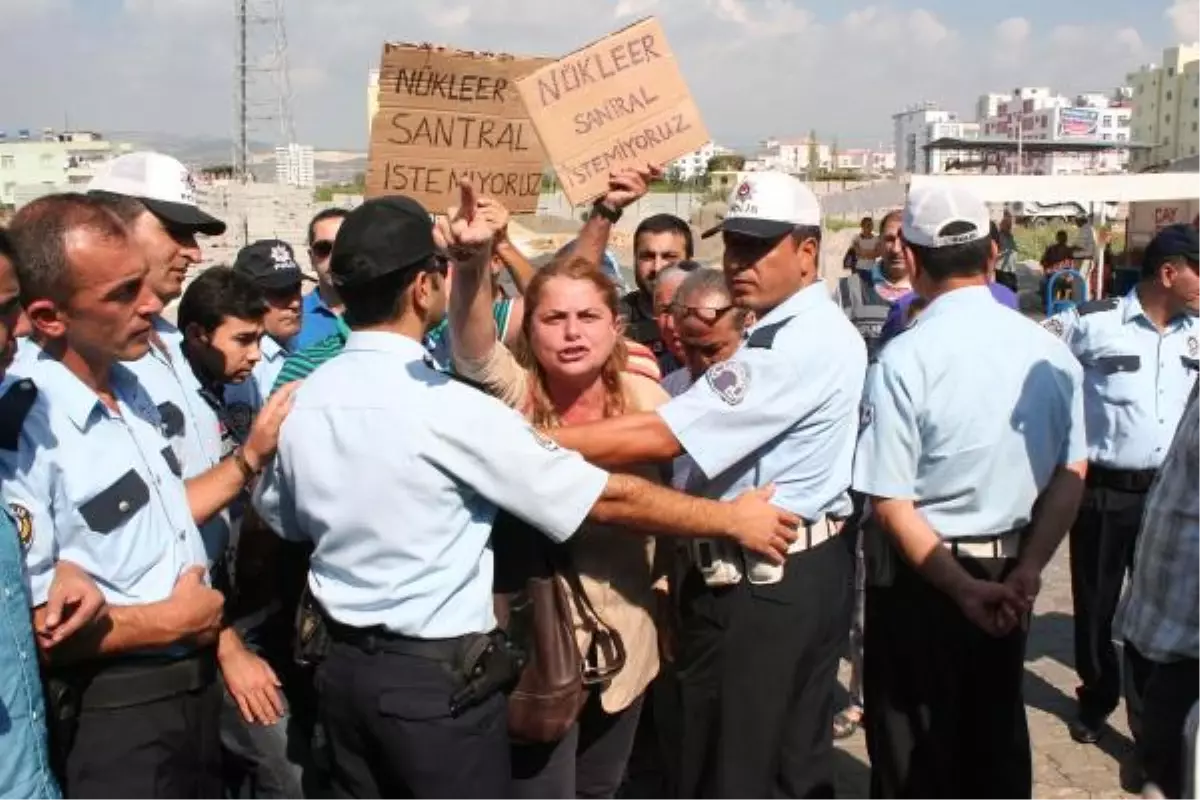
[[610, 214]]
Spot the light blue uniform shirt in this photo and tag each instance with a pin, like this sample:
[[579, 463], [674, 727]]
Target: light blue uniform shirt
[[782, 410], [1136, 379], [970, 432], [189, 421], [395, 472], [24, 754], [99, 488]]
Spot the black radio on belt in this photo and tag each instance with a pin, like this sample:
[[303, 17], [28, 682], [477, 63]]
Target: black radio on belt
[[490, 664]]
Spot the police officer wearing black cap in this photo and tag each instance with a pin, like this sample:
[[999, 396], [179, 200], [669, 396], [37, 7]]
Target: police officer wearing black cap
[[1139, 355], [383, 469], [271, 265]]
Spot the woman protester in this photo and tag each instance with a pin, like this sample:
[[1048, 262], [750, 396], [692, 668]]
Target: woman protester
[[570, 367]]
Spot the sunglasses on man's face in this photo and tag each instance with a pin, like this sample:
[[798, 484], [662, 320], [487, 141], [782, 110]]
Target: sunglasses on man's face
[[322, 248], [707, 315]]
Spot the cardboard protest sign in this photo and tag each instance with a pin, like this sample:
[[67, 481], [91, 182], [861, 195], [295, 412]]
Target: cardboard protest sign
[[618, 102], [447, 115]]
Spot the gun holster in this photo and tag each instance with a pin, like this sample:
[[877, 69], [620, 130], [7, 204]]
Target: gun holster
[[490, 663], [312, 641]]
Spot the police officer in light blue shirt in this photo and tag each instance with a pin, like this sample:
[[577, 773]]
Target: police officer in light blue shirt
[[271, 265], [759, 659], [395, 472], [972, 458], [24, 755], [1139, 355], [151, 193], [97, 483]]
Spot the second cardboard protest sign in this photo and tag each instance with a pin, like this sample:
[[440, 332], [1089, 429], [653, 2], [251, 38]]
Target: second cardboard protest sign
[[615, 103], [447, 116]]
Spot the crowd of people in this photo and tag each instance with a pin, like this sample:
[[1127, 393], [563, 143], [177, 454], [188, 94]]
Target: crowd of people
[[405, 535]]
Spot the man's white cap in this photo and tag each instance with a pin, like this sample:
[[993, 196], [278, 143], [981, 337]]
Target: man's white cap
[[163, 184], [769, 205], [933, 205]]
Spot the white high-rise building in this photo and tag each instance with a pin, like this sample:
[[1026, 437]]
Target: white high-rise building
[[1166, 108], [690, 166], [989, 104], [917, 126], [294, 165], [1035, 114]]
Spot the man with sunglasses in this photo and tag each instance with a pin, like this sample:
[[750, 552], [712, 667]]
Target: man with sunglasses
[[758, 658], [322, 308], [1139, 355]]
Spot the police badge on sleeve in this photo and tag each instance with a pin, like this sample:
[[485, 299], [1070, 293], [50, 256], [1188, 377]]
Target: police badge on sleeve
[[23, 521], [730, 380]]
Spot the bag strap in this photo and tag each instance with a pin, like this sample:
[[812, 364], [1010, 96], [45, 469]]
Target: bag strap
[[605, 636]]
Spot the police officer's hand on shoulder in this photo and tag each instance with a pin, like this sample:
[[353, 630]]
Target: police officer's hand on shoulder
[[264, 433], [761, 527], [194, 610]]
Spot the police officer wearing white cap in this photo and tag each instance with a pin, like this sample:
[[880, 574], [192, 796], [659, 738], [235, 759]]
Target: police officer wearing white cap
[[973, 461], [1139, 355], [155, 196], [382, 466], [758, 658]]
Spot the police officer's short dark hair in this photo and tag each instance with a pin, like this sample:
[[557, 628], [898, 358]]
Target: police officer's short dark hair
[[956, 260], [321, 216], [381, 299], [218, 294], [39, 236], [666, 223]]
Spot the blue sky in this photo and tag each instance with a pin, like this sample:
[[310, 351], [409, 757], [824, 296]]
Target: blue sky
[[756, 67]]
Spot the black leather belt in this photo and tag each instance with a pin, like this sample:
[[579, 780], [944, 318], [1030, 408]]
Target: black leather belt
[[1137, 481], [136, 681], [380, 640]]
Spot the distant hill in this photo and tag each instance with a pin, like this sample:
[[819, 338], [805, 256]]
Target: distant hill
[[207, 151]]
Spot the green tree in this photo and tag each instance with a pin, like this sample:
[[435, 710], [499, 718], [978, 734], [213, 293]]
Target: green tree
[[726, 162]]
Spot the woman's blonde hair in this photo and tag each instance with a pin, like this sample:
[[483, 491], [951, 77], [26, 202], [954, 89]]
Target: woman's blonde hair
[[542, 412]]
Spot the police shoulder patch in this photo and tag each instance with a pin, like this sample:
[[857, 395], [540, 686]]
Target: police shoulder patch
[[1193, 347], [730, 380], [14, 408], [23, 520], [1054, 325]]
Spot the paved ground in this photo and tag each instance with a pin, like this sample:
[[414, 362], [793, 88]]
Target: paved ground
[[1061, 768]]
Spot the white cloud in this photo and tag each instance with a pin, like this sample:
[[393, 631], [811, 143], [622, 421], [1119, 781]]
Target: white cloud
[[1184, 16], [925, 28], [756, 67], [450, 18], [1130, 39], [731, 11], [634, 8], [1013, 32]]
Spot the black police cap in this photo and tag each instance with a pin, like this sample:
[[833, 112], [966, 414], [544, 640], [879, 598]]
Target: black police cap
[[1173, 241], [270, 264], [382, 236]]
